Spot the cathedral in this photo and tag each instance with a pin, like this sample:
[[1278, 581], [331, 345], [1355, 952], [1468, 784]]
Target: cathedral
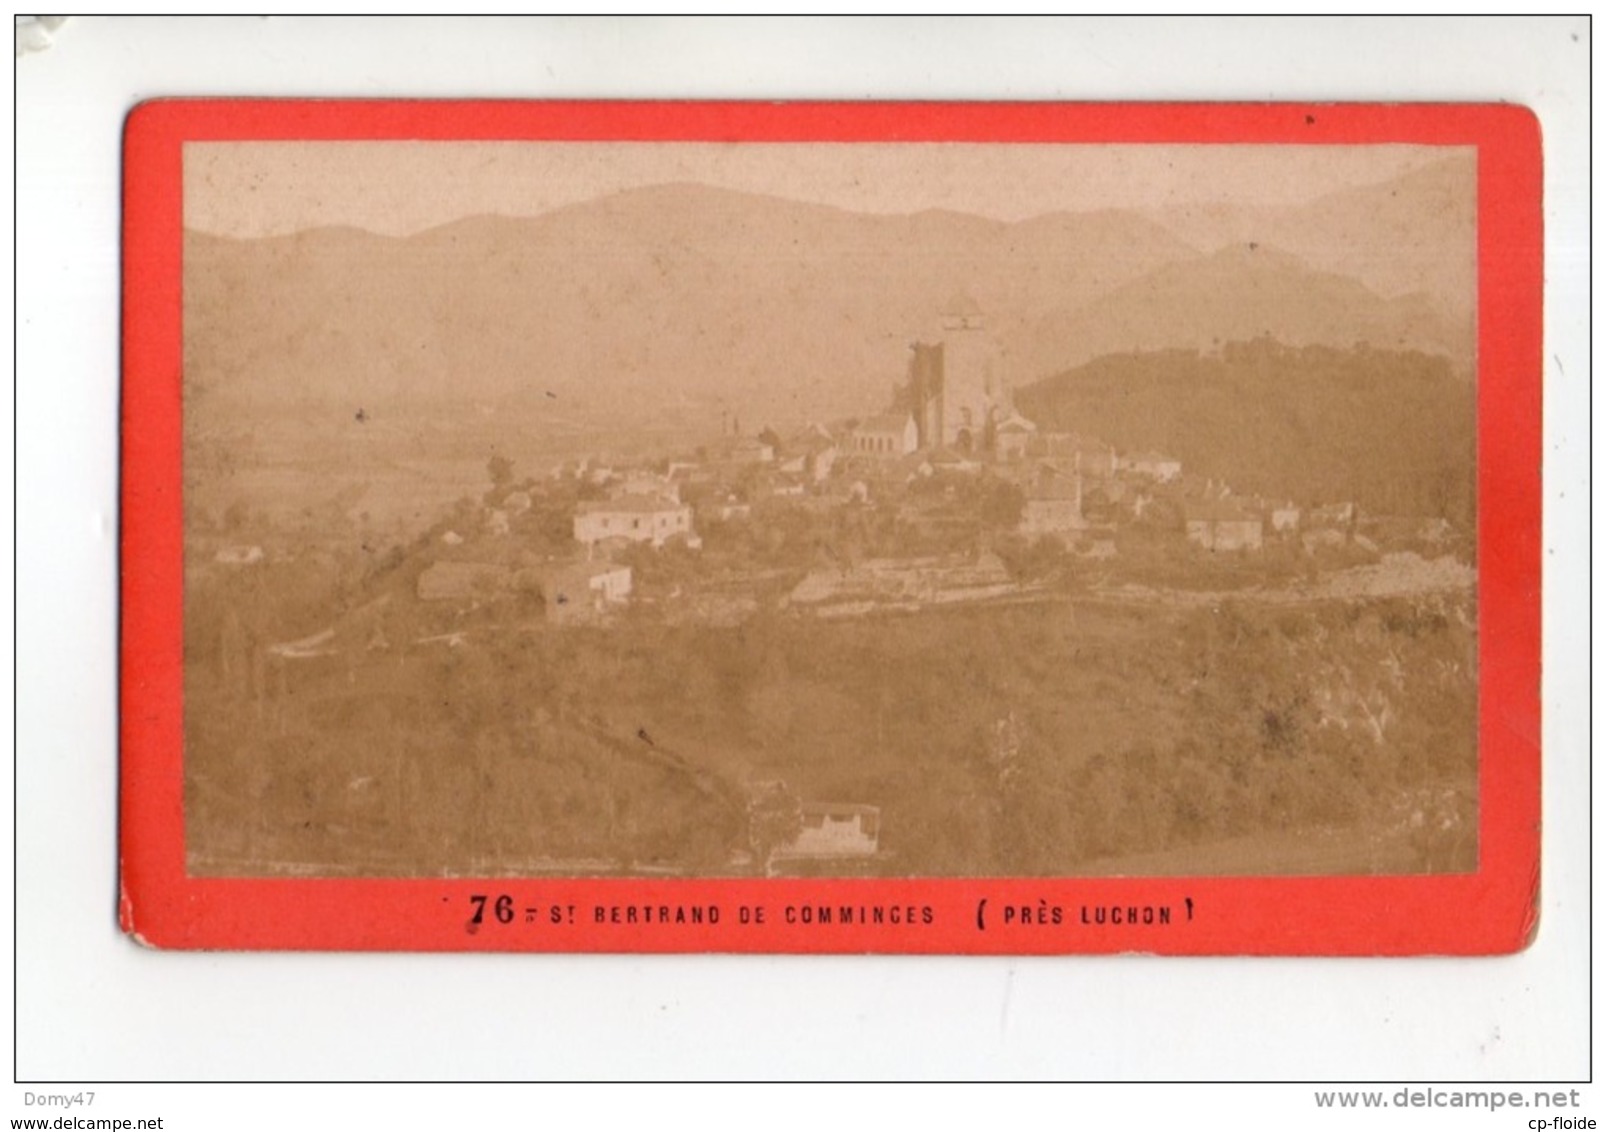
[[956, 390]]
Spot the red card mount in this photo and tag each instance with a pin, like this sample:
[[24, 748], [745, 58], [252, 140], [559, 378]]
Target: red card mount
[[287, 783]]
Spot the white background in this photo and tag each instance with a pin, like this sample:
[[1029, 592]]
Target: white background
[[92, 1006]]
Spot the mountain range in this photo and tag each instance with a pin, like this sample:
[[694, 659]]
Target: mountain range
[[683, 300]]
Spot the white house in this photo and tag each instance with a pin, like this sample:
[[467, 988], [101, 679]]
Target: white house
[[1053, 506], [582, 590], [893, 434], [646, 483], [1013, 434], [1284, 517], [1220, 524], [636, 518], [239, 555], [1154, 465], [834, 830]]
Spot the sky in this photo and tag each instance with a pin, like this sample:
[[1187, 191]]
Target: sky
[[249, 189]]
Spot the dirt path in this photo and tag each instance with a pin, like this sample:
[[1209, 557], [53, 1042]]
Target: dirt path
[[1396, 575]]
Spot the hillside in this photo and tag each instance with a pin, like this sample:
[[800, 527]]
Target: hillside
[[1240, 292], [1393, 430]]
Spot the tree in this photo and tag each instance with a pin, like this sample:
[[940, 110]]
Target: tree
[[1002, 504], [500, 469]]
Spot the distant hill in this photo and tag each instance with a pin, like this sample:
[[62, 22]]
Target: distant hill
[[1416, 233], [1241, 292], [1392, 430]]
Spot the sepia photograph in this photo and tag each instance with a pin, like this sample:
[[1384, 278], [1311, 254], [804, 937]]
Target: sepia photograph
[[690, 509], [801, 550]]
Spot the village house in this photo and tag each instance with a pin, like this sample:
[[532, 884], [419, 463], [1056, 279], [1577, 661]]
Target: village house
[[1164, 469], [751, 450], [810, 436], [637, 518], [725, 509], [1053, 506], [1283, 517], [1103, 501], [833, 829], [582, 591], [1012, 436], [1222, 525], [891, 434], [645, 483], [1334, 515], [239, 555], [741, 451], [837, 493], [694, 482], [787, 487], [811, 453]]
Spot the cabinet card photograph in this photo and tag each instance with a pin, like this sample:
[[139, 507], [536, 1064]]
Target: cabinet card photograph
[[823, 527]]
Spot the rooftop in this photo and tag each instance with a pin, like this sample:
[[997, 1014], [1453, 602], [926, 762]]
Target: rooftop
[[630, 505], [838, 809]]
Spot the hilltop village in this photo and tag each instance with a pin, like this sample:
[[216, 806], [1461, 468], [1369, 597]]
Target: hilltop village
[[950, 495], [717, 630]]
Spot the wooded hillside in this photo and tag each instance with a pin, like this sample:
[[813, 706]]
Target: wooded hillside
[[1394, 431]]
